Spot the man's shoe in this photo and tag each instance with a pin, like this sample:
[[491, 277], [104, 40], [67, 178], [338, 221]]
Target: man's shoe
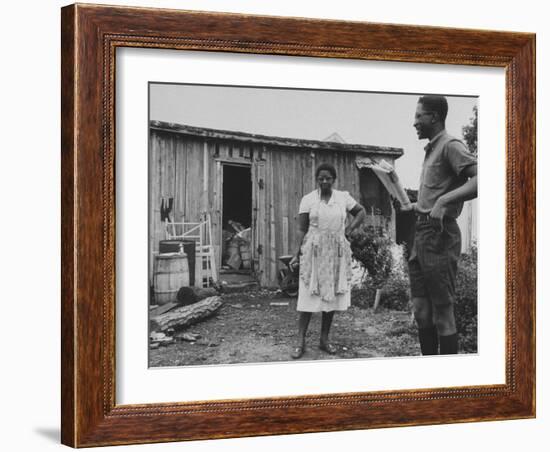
[[297, 352]]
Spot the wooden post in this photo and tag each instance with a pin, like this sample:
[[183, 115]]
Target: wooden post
[[377, 299], [393, 220], [218, 212]]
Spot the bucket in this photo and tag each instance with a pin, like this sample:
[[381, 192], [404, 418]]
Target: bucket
[[171, 273]]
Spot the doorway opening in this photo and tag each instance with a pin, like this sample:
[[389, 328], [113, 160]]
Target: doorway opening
[[237, 263]]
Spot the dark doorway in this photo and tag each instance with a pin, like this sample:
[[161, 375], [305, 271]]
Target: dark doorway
[[237, 268], [237, 196]]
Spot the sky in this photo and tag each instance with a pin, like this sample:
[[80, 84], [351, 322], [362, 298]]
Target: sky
[[383, 119]]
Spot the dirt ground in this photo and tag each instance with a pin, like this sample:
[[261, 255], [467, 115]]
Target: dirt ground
[[261, 326]]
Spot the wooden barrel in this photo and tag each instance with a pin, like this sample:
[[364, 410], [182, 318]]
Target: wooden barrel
[[245, 255], [171, 273], [174, 246]]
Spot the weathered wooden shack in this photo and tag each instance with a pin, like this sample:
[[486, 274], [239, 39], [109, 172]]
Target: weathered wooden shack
[[255, 180]]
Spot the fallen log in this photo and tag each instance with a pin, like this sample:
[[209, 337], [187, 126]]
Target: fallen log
[[186, 315]]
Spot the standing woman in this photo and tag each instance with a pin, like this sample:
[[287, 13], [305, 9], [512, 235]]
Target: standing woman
[[324, 255]]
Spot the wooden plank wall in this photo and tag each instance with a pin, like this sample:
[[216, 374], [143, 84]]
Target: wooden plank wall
[[290, 175], [178, 168]]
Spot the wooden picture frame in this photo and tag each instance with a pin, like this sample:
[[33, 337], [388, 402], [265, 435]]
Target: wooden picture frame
[[90, 36]]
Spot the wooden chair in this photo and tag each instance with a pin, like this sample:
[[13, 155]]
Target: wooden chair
[[201, 233]]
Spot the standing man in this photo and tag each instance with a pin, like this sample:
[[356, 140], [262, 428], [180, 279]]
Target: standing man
[[449, 177]]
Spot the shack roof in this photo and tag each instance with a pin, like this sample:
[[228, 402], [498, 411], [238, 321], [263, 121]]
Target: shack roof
[[299, 144]]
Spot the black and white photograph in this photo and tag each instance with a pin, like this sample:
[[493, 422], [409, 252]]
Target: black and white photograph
[[301, 224], [240, 228]]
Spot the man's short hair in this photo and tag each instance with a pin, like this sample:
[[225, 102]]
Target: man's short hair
[[437, 104]]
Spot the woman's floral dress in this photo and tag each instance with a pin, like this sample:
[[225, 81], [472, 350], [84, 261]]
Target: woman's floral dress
[[325, 262]]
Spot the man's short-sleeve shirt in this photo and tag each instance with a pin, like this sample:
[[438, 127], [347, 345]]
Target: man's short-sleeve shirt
[[443, 171]]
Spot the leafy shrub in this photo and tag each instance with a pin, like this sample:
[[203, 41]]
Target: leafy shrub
[[395, 292], [385, 267], [363, 297], [358, 274], [371, 248], [466, 301]]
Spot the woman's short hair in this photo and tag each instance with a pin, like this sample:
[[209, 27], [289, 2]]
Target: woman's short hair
[[326, 167], [437, 104]]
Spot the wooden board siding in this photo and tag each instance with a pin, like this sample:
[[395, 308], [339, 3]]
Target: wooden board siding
[[190, 170], [275, 179], [259, 186], [290, 176], [175, 171]]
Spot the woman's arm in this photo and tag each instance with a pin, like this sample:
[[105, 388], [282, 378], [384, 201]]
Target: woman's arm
[[359, 215], [303, 226]]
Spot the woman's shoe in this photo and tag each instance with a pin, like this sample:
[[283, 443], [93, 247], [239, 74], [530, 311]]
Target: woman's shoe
[[297, 352], [328, 348]]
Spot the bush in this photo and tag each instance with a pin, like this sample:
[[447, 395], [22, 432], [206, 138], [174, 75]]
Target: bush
[[385, 267], [395, 292], [371, 248], [466, 301], [363, 297]]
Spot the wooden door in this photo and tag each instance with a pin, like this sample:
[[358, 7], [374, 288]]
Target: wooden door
[[217, 232], [259, 220]]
